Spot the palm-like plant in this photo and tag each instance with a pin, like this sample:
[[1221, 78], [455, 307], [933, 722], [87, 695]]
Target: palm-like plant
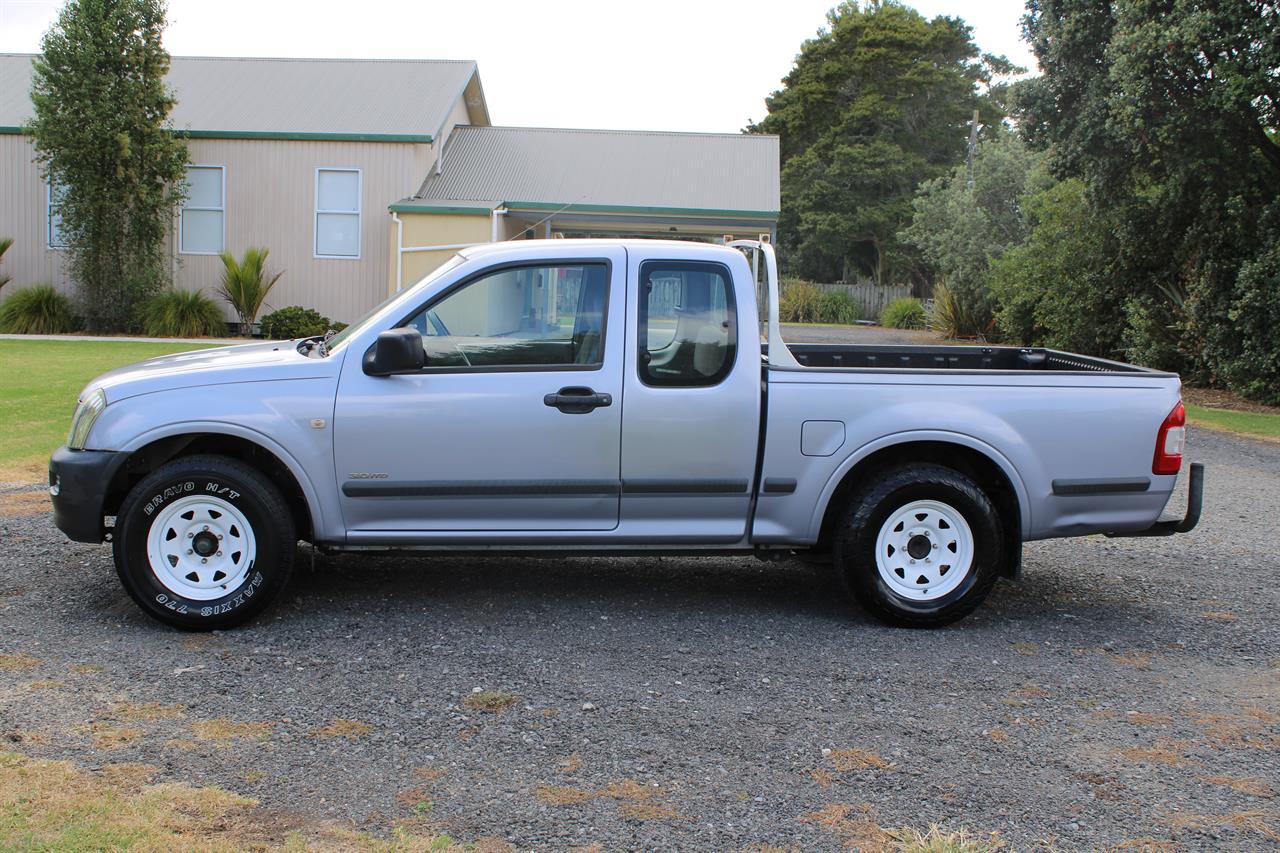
[[245, 285], [5, 243]]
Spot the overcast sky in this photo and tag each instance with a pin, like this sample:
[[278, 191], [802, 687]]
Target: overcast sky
[[693, 65]]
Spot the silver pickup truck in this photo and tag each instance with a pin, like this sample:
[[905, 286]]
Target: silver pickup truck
[[606, 397]]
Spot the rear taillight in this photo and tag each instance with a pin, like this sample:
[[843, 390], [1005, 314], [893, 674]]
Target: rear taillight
[[1169, 442]]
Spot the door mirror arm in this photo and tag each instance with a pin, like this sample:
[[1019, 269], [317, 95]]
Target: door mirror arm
[[395, 351]]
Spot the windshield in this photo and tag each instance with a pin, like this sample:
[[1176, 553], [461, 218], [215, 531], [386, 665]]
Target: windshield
[[359, 325]]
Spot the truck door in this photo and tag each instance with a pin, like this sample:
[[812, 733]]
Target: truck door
[[693, 400], [514, 424]]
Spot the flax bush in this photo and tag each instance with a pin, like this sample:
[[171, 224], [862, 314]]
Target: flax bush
[[38, 310], [182, 314], [905, 313]]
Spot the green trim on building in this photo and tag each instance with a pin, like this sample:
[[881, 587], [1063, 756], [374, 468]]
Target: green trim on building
[[295, 136], [306, 136], [438, 207], [650, 211]]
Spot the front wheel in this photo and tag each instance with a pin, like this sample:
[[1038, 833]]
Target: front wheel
[[204, 542], [920, 546]]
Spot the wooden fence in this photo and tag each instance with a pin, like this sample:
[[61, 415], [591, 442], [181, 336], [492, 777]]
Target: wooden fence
[[872, 297]]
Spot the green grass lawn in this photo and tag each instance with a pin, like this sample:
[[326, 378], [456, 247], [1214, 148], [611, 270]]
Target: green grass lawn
[[39, 381], [1242, 423]]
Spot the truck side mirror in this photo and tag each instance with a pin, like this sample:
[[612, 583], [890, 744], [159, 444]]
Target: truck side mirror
[[396, 351]]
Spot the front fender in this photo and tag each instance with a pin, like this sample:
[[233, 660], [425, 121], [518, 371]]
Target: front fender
[[292, 420], [319, 517]]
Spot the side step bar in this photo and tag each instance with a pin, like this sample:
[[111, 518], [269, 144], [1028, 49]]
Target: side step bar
[[1195, 495]]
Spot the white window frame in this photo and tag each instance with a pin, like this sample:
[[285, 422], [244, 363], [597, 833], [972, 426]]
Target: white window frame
[[48, 221], [359, 214], [222, 210]]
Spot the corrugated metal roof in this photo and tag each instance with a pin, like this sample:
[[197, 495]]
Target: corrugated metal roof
[[609, 169], [292, 98]]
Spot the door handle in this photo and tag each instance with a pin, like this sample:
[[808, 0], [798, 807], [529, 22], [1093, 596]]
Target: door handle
[[577, 400]]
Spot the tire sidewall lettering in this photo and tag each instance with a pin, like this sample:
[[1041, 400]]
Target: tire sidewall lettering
[[240, 597], [182, 488], [222, 491], [172, 604]]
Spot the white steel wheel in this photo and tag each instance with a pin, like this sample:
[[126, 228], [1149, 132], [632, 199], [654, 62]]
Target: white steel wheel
[[201, 547], [924, 550]]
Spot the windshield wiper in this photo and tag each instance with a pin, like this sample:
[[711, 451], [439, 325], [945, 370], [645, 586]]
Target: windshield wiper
[[323, 344]]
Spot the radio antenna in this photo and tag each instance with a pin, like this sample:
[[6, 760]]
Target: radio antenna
[[545, 218]]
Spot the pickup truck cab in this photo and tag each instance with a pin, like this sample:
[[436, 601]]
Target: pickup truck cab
[[609, 396]]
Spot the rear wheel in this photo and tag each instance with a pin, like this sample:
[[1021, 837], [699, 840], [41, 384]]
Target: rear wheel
[[204, 542], [920, 546]]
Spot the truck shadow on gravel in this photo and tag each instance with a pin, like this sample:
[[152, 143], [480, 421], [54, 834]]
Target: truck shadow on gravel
[[708, 584], [788, 590]]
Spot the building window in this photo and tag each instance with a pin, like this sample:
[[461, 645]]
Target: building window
[[337, 213], [688, 326], [203, 226], [54, 199]]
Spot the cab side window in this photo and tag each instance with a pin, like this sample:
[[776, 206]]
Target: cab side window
[[545, 316], [688, 330]]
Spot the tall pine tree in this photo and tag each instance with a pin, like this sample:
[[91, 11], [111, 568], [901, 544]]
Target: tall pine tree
[[879, 101]]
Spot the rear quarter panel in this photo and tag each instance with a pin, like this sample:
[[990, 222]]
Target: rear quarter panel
[[1037, 428]]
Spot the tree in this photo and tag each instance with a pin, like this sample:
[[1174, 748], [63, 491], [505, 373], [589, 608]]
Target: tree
[[961, 228], [1168, 111], [102, 137], [1056, 288], [877, 102], [1155, 87], [1253, 327]]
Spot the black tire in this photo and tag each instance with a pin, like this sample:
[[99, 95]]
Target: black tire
[[888, 493], [218, 479]]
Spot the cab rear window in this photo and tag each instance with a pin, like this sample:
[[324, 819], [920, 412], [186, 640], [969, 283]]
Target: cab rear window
[[688, 334]]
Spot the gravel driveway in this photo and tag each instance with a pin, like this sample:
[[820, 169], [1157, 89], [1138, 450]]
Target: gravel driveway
[[1124, 690]]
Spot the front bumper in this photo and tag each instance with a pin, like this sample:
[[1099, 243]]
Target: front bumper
[[78, 482], [1195, 495]]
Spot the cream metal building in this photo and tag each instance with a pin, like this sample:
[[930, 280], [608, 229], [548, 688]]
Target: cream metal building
[[360, 176]]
